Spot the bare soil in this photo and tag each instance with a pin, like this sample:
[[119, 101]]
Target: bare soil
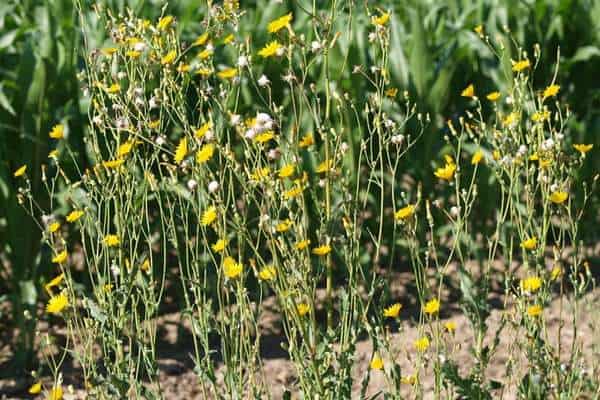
[[178, 380]]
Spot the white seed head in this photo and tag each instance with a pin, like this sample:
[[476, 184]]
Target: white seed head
[[274, 154], [213, 186], [250, 133], [263, 81], [397, 139], [192, 184], [242, 61], [140, 46], [235, 119]]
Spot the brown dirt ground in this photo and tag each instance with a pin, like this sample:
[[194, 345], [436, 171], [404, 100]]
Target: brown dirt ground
[[178, 380]]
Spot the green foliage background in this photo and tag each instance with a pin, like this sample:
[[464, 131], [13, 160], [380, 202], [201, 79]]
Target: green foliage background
[[434, 54]]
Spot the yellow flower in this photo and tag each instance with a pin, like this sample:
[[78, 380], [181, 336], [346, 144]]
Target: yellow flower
[[306, 140], [493, 96], [531, 284], [392, 311], [114, 88], [111, 240], [382, 20], [324, 167], [53, 227], [219, 245], [287, 170], [111, 164], [57, 303], [200, 132], [53, 154], [74, 215], [376, 363], [551, 91], [132, 41], [154, 124], [469, 91], [204, 54], [322, 250], [530, 243], [422, 344], [169, 58], [302, 309], [54, 282], [293, 192], [164, 22], [227, 73], [540, 116], [477, 157], [205, 72], [209, 216], [20, 171], [545, 162], [183, 67], [60, 257], [57, 132], [432, 307], [36, 388], [280, 23], [267, 273], [132, 54], [201, 39], [520, 65], [145, 265], [264, 137], [228, 39], [405, 212], [479, 30], [556, 272], [270, 49], [231, 6], [231, 268], [205, 153], [391, 92], [181, 150], [260, 174], [125, 148], [56, 393], [109, 51], [534, 310], [284, 226], [301, 245], [559, 197], [583, 148], [409, 380], [450, 326], [446, 172], [511, 118]]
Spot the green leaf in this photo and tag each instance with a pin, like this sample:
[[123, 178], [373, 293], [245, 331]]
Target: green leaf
[[7, 39], [585, 53], [4, 102], [28, 292], [420, 62]]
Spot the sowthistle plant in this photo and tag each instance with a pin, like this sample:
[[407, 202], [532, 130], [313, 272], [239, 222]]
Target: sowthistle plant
[[198, 163]]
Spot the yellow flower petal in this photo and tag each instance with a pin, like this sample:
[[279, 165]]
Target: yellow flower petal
[[20, 171], [469, 91], [279, 23]]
